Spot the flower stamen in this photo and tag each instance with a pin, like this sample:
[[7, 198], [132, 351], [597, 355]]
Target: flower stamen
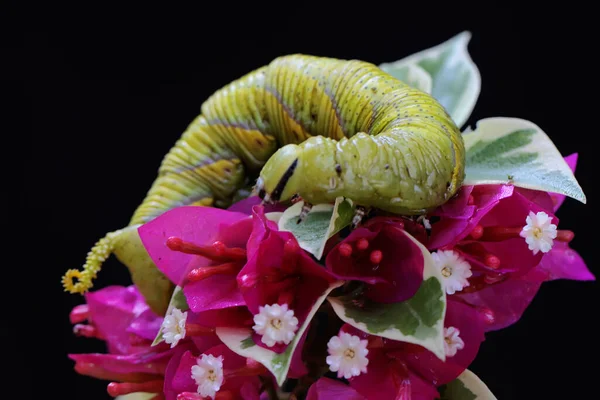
[[216, 252], [115, 389], [201, 273], [345, 250]]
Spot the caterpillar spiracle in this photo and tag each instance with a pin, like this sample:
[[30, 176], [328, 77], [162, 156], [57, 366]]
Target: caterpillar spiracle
[[302, 125]]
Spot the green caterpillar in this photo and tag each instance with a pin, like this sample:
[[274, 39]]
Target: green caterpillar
[[309, 126]]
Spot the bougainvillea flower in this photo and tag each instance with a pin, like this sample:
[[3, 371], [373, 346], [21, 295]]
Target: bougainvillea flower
[[280, 273], [326, 389], [200, 249], [505, 302], [214, 373], [490, 237], [117, 315], [383, 256], [400, 368]]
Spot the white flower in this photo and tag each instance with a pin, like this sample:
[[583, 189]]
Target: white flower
[[276, 324], [539, 232], [348, 355], [452, 341], [455, 270], [173, 326], [208, 374]]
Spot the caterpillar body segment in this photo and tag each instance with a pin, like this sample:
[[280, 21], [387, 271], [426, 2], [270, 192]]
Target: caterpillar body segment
[[401, 151], [315, 127]]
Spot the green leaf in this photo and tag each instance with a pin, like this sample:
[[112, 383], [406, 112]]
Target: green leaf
[[238, 340], [516, 151], [418, 320], [178, 300], [455, 79], [322, 222], [466, 387]]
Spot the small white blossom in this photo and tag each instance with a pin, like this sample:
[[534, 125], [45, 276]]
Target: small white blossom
[[455, 270], [173, 327], [276, 324], [452, 341], [348, 355], [539, 232], [208, 374]]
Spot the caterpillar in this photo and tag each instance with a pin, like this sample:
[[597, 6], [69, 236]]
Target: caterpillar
[[302, 125]]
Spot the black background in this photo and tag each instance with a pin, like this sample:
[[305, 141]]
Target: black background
[[99, 95]]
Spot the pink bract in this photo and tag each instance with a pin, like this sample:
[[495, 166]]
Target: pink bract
[[279, 271], [195, 224], [396, 277], [112, 310], [326, 389], [181, 380]]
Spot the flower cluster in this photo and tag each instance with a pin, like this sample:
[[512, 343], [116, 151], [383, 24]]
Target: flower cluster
[[395, 308]]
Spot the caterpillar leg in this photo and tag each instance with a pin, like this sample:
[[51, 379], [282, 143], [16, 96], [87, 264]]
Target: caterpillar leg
[[359, 214], [306, 207]]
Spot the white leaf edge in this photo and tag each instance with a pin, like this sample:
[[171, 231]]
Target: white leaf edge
[[232, 337], [489, 129], [294, 211], [461, 41], [433, 344], [476, 386]]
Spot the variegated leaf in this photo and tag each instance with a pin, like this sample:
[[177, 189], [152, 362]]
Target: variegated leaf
[[455, 79], [516, 151], [418, 320]]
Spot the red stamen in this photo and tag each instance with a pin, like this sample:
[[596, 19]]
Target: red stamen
[[362, 244], [115, 389], [477, 232], [197, 330], [79, 313], [471, 200], [198, 274], [88, 331], [564, 235], [290, 256], [375, 257], [216, 252], [95, 371], [499, 233], [345, 250], [491, 261]]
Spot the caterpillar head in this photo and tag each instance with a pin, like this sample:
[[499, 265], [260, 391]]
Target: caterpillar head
[[279, 179]]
